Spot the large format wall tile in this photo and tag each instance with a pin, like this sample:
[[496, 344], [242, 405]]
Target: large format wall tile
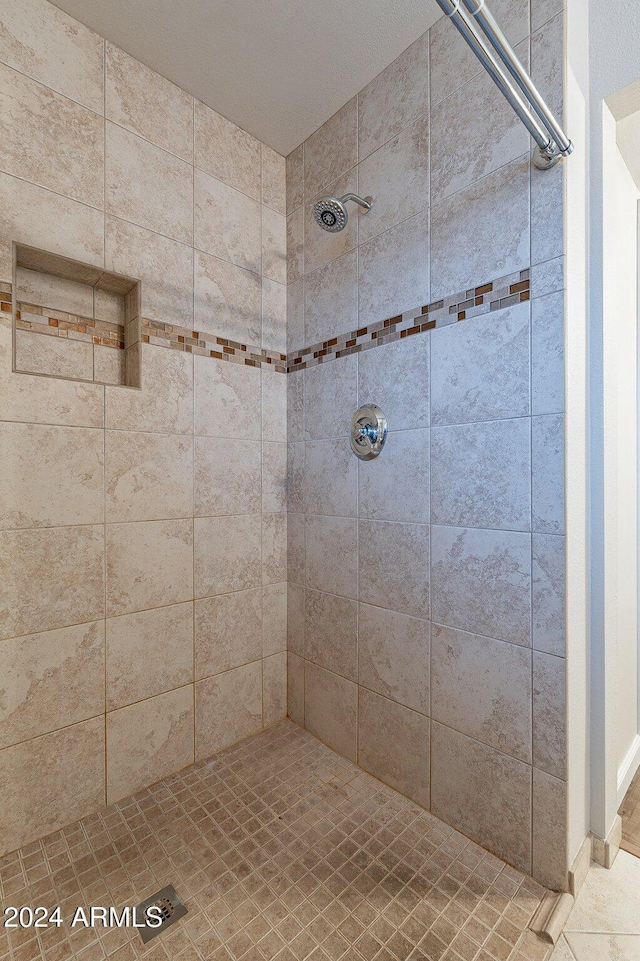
[[40, 218], [547, 354], [149, 564], [274, 317], [295, 477], [331, 555], [330, 707], [227, 223], [148, 741], [332, 149], [295, 688], [227, 300], [547, 482], [296, 560], [550, 855], [227, 399], [50, 680], [42, 566], [164, 266], [226, 152], [51, 781], [481, 475], [274, 477], [482, 688], [61, 468], [295, 618], [395, 98], [274, 688], [330, 392], [50, 140], [480, 369], [274, 408], [453, 63], [274, 548], [549, 711], [330, 477], [394, 270], [146, 103], [488, 134], [273, 185], [394, 566], [65, 56], [393, 744], [147, 185], [395, 486], [274, 245], [331, 295], [162, 638], [481, 582], [483, 793], [148, 476], [227, 554], [295, 317], [227, 477], [228, 631], [396, 378], [548, 594], [53, 356], [487, 225], [165, 403], [294, 175], [26, 399], [331, 633], [394, 656], [274, 618], [228, 708], [397, 177]]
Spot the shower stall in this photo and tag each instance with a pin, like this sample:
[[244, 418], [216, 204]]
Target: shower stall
[[282, 610]]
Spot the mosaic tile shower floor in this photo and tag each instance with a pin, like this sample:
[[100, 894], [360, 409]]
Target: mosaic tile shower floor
[[281, 850]]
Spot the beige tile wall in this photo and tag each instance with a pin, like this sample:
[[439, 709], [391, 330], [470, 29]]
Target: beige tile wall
[[141, 592], [426, 622]]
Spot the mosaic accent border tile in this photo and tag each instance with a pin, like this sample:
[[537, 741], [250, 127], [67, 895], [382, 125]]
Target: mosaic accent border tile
[[474, 302], [58, 323], [485, 298], [209, 345]]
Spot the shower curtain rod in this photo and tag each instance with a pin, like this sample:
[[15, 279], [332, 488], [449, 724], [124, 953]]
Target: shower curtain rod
[[471, 16]]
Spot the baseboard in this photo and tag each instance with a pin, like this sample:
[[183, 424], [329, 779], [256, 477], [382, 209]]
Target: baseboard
[[628, 768], [549, 920], [580, 867], [605, 851]]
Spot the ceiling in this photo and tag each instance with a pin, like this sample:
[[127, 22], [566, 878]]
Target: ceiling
[[277, 68]]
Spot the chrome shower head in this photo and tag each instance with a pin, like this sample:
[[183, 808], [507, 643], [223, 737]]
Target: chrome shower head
[[331, 213]]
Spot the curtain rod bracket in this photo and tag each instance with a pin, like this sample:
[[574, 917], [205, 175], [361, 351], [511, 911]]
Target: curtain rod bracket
[[544, 158]]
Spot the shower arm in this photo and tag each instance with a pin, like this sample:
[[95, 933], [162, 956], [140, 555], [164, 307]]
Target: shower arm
[[467, 16], [364, 202]]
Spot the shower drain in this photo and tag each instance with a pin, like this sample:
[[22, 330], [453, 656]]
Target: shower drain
[[169, 907]]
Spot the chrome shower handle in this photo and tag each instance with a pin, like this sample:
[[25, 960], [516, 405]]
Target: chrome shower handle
[[368, 431]]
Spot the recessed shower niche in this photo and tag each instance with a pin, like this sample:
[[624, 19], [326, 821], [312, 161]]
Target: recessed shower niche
[[74, 321]]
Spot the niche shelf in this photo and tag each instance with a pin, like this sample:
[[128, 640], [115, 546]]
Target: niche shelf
[[74, 321]]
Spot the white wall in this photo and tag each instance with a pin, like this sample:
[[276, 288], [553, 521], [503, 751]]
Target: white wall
[[620, 200], [577, 544], [614, 30]]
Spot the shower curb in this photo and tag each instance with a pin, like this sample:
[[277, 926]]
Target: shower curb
[[549, 920]]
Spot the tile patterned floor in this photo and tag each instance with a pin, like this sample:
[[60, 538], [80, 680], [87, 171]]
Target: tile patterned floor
[[281, 850], [604, 924]]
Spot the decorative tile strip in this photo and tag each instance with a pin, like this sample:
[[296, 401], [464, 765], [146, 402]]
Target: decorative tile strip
[[486, 298], [209, 345], [58, 323], [494, 295]]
